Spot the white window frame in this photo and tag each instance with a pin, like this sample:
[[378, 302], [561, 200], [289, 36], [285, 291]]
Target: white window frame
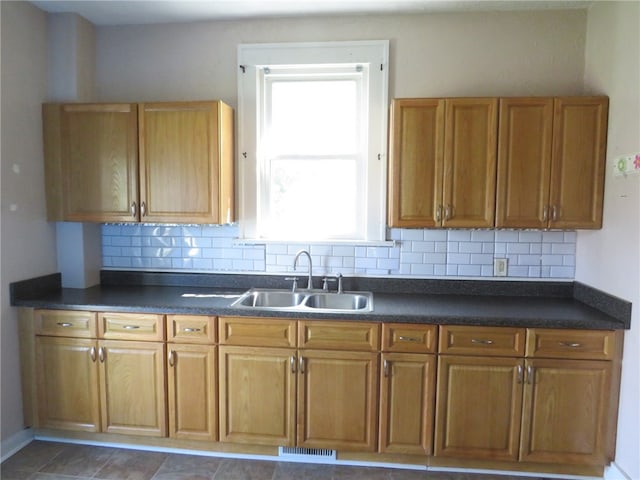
[[252, 59]]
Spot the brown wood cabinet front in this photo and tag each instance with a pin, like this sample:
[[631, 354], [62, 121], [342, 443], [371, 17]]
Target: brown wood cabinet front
[[186, 165], [91, 153], [257, 395], [133, 387], [478, 407], [337, 400], [67, 383]]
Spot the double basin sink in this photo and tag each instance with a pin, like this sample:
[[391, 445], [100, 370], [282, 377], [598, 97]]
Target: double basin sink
[[305, 300]]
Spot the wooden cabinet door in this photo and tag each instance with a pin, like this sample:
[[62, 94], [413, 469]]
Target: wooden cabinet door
[[257, 395], [132, 387], [524, 162], [566, 404], [415, 162], [478, 407], [337, 400], [191, 373], [179, 162], [470, 144], [67, 384], [98, 159], [578, 165], [407, 388]]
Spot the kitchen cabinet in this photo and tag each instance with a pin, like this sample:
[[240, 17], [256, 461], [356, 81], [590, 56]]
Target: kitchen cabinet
[[257, 375], [191, 377], [150, 162], [554, 406], [442, 164], [407, 388], [97, 384], [551, 160]]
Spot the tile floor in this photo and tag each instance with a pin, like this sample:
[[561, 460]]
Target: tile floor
[[59, 461]]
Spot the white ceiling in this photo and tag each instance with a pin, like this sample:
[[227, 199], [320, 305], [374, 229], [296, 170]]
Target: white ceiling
[[132, 12]]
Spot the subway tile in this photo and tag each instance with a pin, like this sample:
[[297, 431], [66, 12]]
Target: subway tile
[[440, 270], [132, 252], [452, 270], [506, 236], [111, 251], [435, 235], [530, 236], [441, 247], [534, 272], [161, 242], [435, 258], [423, 246], [253, 254], [562, 272], [517, 248], [108, 229], [137, 241], [388, 263], [535, 248], [553, 237], [377, 272], [121, 241], [483, 236], [518, 271], [453, 247], [164, 263], [546, 248], [394, 234], [182, 263], [222, 264], [563, 248], [570, 237], [191, 231], [469, 270], [242, 265], [412, 234], [569, 260], [528, 259], [411, 257], [458, 258], [360, 252], [107, 262], [332, 262], [545, 272], [419, 269], [202, 263], [500, 248], [121, 262], [486, 270], [320, 250], [365, 263], [394, 252], [276, 248], [378, 252], [343, 251], [481, 259], [470, 247], [459, 236], [547, 260]]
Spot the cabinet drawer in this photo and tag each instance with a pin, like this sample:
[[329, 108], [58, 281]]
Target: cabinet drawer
[[345, 335], [64, 323], [131, 326], [575, 344], [409, 338], [191, 329], [257, 331], [495, 341]]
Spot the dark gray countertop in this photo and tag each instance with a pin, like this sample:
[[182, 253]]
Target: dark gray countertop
[[542, 307]]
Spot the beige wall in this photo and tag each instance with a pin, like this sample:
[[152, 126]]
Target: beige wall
[[502, 53], [28, 243], [609, 259]]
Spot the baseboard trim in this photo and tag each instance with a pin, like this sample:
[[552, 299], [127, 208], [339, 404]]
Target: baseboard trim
[[15, 442], [614, 472]]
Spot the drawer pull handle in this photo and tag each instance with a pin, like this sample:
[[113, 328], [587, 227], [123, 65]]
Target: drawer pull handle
[[571, 344], [131, 327], [479, 341], [191, 330], [64, 324], [408, 339]]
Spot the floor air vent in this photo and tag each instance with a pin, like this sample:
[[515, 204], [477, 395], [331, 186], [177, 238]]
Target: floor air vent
[[308, 455]]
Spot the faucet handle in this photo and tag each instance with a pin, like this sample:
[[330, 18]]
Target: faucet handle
[[295, 283], [325, 283]]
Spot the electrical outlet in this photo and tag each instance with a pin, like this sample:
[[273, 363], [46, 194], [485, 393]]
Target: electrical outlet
[[499, 267]]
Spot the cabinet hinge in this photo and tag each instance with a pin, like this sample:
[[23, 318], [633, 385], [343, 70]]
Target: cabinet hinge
[[381, 67], [243, 68]]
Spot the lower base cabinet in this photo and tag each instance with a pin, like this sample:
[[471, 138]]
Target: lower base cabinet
[[486, 397]]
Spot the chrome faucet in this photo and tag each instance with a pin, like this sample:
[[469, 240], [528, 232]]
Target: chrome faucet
[[295, 262]]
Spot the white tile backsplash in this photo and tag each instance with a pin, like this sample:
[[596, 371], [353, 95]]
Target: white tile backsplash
[[422, 253]]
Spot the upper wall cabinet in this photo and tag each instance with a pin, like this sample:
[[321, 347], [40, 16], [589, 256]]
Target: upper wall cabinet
[[150, 162], [443, 162], [551, 160]]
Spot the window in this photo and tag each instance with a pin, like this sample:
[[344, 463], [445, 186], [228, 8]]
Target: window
[[312, 137]]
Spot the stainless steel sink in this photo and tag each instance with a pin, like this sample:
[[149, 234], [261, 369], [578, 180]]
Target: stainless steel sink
[[338, 301], [318, 301]]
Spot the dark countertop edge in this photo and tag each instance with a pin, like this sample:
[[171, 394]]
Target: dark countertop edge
[[40, 292]]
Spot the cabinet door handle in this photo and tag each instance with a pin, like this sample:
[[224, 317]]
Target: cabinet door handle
[[102, 355], [92, 354], [385, 368], [438, 213], [64, 324], [545, 213], [134, 209], [292, 361], [530, 375], [554, 213], [172, 355], [301, 364], [481, 341], [131, 327], [448, 212], [143, 209], [520, 374], [402, 338], [190, 330], [571, 344]]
